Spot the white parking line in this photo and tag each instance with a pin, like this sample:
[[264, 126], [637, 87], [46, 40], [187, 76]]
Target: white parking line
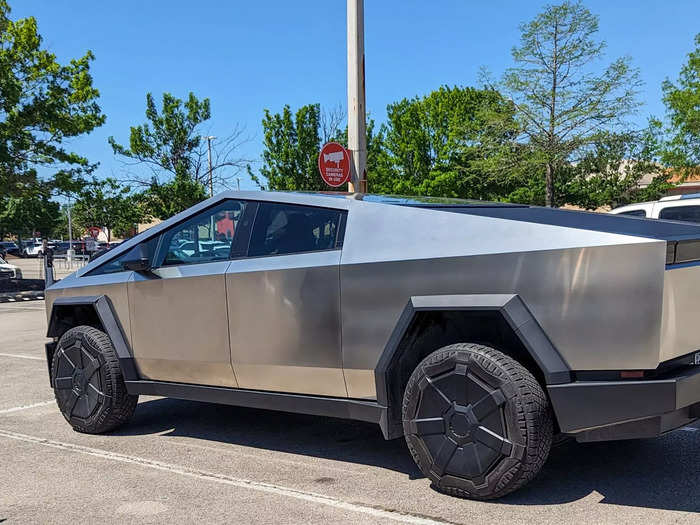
[[227, 480], [20, 356], [26, 407]]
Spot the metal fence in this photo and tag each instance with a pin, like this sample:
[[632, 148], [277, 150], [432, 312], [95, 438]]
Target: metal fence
[[63, 264]]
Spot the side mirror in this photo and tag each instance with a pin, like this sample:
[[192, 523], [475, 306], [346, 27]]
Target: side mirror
[[138, 259]]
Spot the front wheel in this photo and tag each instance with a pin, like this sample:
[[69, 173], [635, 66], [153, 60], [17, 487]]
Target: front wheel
[[88, 382], [477, 423]]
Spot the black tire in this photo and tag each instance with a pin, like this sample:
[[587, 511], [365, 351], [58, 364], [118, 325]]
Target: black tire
[[476, 422], [88, 382]]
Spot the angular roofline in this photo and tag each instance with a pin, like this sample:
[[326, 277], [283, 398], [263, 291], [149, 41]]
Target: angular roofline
[[309, 199]]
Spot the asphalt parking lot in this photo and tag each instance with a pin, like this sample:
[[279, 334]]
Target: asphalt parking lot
[[183, 462]]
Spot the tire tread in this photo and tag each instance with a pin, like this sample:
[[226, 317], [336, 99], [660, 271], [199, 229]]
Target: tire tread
[[533, 416]]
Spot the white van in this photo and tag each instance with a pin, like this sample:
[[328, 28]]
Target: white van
[[674, 208]]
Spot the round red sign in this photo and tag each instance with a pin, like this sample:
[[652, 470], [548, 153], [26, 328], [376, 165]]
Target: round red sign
[[94, 231], [334, 164]]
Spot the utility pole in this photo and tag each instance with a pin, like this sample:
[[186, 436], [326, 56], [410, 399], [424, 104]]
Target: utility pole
[[357, 136], [211, 178], [238, 183]]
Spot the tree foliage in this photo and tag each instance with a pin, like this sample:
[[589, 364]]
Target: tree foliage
[[433, 145], [612, 169], [172, 145], [291, 144], [166, 199], [682, 101], [107, 203], [28, 214], [42, 104], [562, 103], [169, 141]]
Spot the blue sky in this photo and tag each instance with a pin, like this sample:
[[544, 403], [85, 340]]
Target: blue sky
[[247, 56]]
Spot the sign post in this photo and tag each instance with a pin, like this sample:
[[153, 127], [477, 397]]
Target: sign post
[[94, 231], [334, 164]]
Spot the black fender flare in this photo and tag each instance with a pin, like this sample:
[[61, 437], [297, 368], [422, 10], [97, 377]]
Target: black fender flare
[[105, 314], [510, 306]]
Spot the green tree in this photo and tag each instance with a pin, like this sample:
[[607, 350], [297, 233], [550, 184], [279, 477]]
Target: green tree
[[434, 145], [42, 104], [682, 101], [107, 203], [562, 102], [167, 199], [172, 145], [291, 145], [610, 171], [30, 213]]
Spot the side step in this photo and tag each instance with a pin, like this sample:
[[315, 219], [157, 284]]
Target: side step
[[359, 410]]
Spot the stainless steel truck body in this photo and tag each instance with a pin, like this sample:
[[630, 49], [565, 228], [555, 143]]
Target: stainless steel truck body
[[476, 330]]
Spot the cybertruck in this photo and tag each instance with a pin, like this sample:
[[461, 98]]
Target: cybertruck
[[477, 331]]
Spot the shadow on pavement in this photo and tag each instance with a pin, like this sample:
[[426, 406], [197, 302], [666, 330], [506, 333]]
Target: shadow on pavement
[[323, 437], [661, 473]]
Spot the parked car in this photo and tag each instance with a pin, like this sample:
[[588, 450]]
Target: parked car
[[62, 247], [9, 248], [33, 249], [474, 330], [676, 208], [102, 248], [9, 271]]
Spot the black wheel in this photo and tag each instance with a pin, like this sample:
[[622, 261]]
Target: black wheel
[[88, 382], [477, 422]]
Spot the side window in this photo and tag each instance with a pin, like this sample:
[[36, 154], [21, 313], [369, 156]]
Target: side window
[[681, 213], [115, 265], [287, 228], [207, 237], [634, 213]]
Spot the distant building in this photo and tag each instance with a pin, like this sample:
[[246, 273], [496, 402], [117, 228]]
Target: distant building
[[691, 183]]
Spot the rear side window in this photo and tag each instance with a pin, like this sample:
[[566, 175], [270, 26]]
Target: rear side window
[[287, 228], [681, 213], [634, 213]]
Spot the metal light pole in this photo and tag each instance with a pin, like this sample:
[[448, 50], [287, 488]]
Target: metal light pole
[[70, 227], [211, 178], [357, 138], [70, 254]]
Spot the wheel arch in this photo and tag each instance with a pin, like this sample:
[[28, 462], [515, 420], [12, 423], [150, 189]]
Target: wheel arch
[[92, 310], [430, 322]]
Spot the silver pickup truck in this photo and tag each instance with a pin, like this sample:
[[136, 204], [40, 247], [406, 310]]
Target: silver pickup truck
[[477, 331]]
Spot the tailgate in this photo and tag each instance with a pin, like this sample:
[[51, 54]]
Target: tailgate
[[680, 324]]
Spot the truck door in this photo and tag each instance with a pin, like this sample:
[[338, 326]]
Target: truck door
[[178, 311], [284, 302]]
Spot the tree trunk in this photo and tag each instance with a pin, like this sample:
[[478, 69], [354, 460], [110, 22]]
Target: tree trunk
[[549, 186]]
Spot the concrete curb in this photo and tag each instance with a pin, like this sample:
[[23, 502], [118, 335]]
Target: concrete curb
[[19, 297]]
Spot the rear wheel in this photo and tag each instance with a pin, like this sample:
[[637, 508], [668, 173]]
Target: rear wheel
[[477, 423], [88, 382]]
